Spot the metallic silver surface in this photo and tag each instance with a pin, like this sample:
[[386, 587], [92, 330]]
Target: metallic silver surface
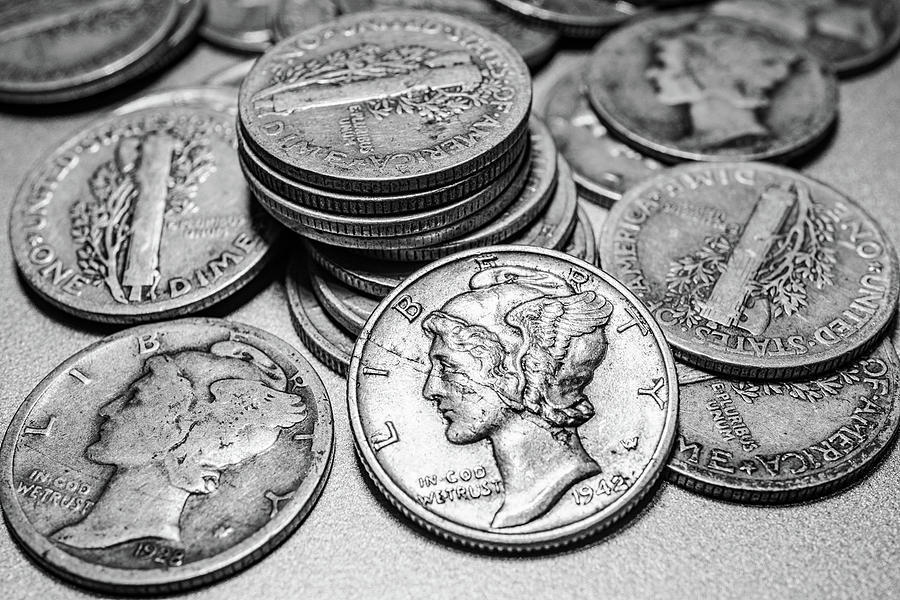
[[681, 545]]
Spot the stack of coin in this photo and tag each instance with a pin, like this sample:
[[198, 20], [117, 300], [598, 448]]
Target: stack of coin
[[57, 52]]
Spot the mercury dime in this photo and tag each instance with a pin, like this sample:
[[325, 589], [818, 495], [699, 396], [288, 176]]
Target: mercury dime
[[386, 102], [851, 35], [319, 333], [784, 441], [695, 86], [534, 43], [512, 398], [166, 456], [603, 168], [573, 18], [242, 25], [50, 47], [346, 306], [140, 216], [754, 270]]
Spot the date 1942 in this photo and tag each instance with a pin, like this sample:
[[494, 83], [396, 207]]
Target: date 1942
[[585, 494]]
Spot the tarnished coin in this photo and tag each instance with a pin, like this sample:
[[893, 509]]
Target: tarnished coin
[[603, 167], [243, 25], [347, 306], [231, 76], [695, 86], [319, 333], [573, 18], [785, 441], [140, 216], [386, 102], [754, 270], [582, 245], [533, 42], [295, 16], [219, 98], [512, 398], [850, 35], [166, 456], [52, 51]]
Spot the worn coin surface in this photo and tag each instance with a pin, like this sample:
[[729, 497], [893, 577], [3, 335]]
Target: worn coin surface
[[243, 25], [512, 398], [573, 18], [603, 167], [533, 42], [141, 216], [294, 16], [50, 47], [319, 332], [220, 433], [785, 441], [386, 102], [694, 86], [851, 35], [752, 269]]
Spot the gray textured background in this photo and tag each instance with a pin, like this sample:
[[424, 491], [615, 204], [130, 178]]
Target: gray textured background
[[678, 545]]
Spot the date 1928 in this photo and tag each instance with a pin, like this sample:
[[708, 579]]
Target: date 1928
[[162, 555]]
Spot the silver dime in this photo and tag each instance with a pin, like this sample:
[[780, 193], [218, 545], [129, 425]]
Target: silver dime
[[386, 102], [347, 306], [166, 456], [785, 441], [54, 51], [243, 25], [603, 167], [533, 42], [140, 216], [695, 86], [512, 398], [754, 270], [573, 18], [320, 334], [850, 35]]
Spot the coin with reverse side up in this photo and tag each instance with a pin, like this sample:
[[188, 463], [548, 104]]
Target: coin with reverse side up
[[386, 102], [850, 35], [785, 441], [534, 43], [512, 398], [603, 167], [694, 86], [573, 18], [221, 434], [141, 216], [754, 270]]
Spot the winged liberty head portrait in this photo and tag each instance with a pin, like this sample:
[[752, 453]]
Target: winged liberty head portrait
[[509, 363], [174, 432]]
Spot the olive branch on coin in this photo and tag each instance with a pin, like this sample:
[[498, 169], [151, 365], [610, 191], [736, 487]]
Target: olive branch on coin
[[810, 391]]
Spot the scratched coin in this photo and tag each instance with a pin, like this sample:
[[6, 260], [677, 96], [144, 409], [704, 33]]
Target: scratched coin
[[850, 35], [242, 25], [50, 48], [386, 102], [754, 270], [318, 331], [785, 441], [220, 433], [603, 167], [573, 18], [694, 86], [534, 42], [512, 398], [141, 216]]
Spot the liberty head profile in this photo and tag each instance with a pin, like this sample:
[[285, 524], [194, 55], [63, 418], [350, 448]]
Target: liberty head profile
[[723, 80], [510, 361], [172, 433]]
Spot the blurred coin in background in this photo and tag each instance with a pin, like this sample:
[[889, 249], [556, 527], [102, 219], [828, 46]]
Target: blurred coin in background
[[242, 25], [588, 19]]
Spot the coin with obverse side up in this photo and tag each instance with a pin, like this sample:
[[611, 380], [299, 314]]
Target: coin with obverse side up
[[754, 270], [221, 433], [512, 398], [141, 216], [785, 441], [690, 85], [850, 35]]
